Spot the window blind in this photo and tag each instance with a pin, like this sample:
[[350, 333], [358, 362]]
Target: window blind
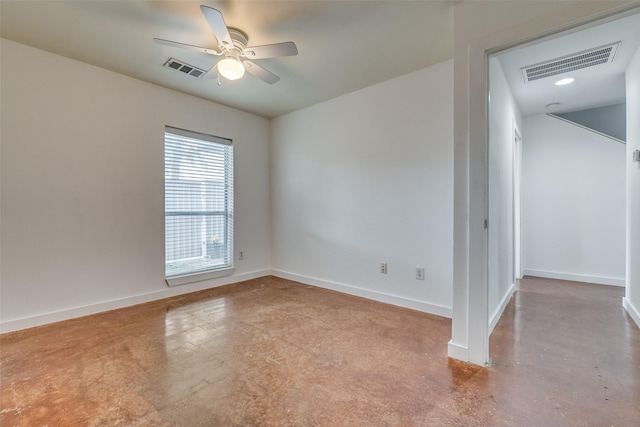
[[198, 203]]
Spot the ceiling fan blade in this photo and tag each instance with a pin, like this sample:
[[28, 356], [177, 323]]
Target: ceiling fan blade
[[218, 26], [261, 73], [187, 46], [271, 50]]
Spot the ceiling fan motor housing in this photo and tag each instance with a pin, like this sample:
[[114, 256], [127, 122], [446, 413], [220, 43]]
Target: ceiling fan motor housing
[[240, 40]]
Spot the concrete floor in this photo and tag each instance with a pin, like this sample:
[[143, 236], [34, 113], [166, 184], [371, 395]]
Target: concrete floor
[[274, 352]]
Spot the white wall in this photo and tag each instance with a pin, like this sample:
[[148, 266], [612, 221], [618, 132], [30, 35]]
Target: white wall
[[632, 296], [573, 203], [503, 115], [82, 186], [367, 178]]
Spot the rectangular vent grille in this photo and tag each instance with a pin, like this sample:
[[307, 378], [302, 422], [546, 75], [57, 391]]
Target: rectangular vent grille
[[577, 61], [185, 68]]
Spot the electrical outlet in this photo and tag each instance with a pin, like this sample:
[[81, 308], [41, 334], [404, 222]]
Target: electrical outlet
[[419, 273], [383, 267], [241, 255], [636, 156]]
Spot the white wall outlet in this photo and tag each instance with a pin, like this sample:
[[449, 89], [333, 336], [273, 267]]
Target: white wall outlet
[[419, 273], [383, 267], [636, 156], [241, 255]]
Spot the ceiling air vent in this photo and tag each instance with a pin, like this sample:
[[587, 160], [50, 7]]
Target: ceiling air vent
[[576, 61], [185, 68]]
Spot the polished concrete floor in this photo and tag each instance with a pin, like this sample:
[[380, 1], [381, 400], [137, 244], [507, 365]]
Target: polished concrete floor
[[270, 352]]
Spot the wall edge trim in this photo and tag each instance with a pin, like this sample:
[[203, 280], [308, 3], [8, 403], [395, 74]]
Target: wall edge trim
[[599, 280], [457, 351], [396, 300], [497, 314], [100, 307], [632, 310]]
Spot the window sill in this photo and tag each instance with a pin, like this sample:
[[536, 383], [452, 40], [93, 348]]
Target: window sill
[[198, 277]]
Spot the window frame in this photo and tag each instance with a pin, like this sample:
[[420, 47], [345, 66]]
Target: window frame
[[228, 268]]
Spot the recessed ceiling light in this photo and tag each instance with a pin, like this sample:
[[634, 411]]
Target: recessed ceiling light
[[565, 81], [552, 107]]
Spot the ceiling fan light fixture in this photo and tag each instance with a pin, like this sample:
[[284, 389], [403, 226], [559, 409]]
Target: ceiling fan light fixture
[[231, 68], [236, 57]]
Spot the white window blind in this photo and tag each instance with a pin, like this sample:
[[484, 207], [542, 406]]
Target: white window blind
[[198, 191]]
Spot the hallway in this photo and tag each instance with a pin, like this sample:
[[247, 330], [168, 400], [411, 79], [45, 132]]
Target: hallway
[[274, 352], [569, 354]]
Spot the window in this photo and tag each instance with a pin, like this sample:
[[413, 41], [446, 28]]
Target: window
[[198, 200]]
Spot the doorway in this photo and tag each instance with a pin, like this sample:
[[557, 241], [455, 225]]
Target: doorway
[[572, 237], [474, 42]]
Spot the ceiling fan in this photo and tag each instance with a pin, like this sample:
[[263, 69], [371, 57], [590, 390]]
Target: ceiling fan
[[234, 57]]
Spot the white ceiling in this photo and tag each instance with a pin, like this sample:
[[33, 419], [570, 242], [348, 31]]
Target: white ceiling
[[343, 45], [594, 87]]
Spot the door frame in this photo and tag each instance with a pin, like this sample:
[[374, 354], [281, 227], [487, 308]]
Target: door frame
[[517, 204], [469, 337]]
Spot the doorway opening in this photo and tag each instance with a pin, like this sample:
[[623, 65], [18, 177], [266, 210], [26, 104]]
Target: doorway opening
[[543, 173]]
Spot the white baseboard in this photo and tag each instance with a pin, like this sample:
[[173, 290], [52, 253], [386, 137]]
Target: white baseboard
[[497, 314], [612, 281], [72, 313], [632, 310], [457, 351], [367, 293]]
